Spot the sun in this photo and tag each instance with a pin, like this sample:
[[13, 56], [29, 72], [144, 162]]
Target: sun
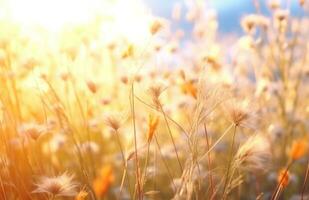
[[53, 15], [49, 14]]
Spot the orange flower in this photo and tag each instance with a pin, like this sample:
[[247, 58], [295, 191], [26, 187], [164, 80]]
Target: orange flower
[[129, 52], [189, 88], [298, 149], [92, 86], [155, 26], [103, 182], [153, 122], [301, 2], [283, 178]]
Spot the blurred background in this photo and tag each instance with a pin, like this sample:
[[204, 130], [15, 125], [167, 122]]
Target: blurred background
[[57, 12], [229, 12]]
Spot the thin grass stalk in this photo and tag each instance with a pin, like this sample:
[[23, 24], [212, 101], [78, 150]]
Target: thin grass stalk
[[305, 181], [216, 143], [168, 117], [229, 163], [124, 166], [135, 142], [164, 162], [171, 136], [145, 167], [279, 188], [209, 162]]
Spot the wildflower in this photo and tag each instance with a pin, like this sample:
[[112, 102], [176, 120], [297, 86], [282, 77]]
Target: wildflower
[[254, 153], [157, 46], [111, 45], [31, 130], [65, 76], [298, 149], [59, 186], [281, 20], [301, 2], [128, 52], [281, 15], [105, 101], [30, 63], [283, 178], [182, 74], [239, 113], [102, 183], [92, 86], [113, 122], [124, 79], [274, 4], [82, 195], [213, 60], [138, 78], [249, 22], [189, 88], [153, 122], [156, 26], [155, 92]]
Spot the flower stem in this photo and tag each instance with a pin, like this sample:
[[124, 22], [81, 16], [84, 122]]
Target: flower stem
[[229, 164]]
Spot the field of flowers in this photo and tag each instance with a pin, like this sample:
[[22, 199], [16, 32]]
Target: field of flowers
[[124, 106]]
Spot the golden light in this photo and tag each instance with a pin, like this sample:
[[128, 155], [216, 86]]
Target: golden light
[[49, 14], [126, 20], [127, 17]]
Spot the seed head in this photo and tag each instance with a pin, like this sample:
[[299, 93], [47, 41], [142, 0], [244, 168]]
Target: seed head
[[254, 154], [59, 186], [188, 87], [113, 122], [239, 113], [93, 87], [153, 122], [274, 4], [82, 195], [128, 52], [32, 130], [155, 26], [281, 19], [155, 91], [248, 23]]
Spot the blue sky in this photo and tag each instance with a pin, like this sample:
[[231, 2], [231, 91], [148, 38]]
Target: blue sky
[[229, 11]]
